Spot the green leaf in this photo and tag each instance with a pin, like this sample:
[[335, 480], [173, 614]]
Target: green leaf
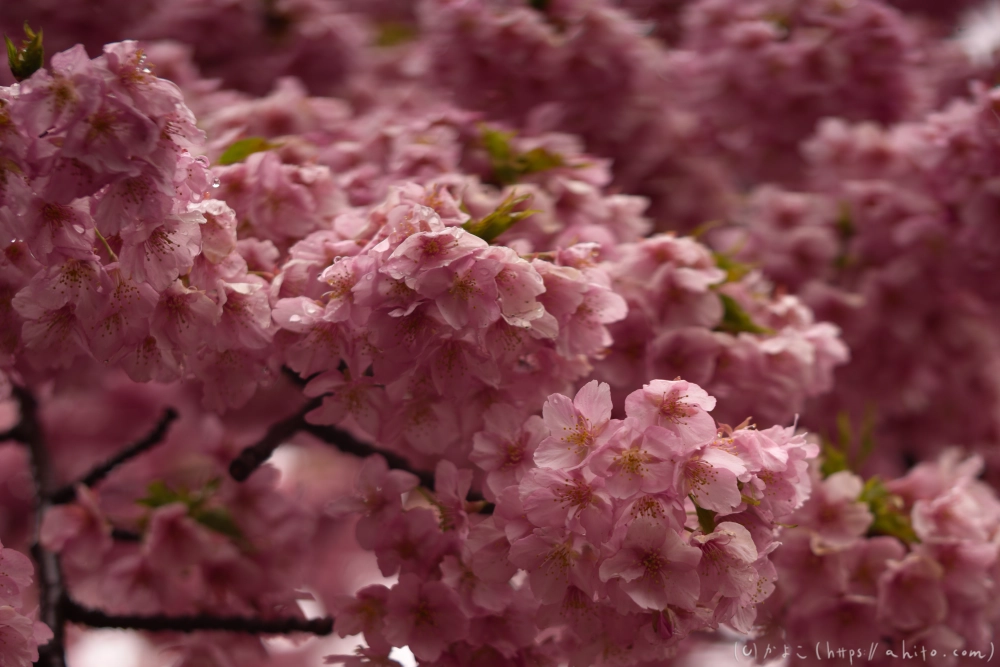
[[736, 320], [27, 59], [889, 512], [845, 434], [735, 270], [159, 494], [219, 520], [509, 166], [846, 231], [843, 454], [216, 519], [834, 459], [539, 159], [393, 33], [243, 148], [706, 519], [500, 220], [867, 434]]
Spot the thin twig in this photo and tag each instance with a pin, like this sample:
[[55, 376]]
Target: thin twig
[[348, 444], [123, 535], [256, 454], [67, 493], [95, 618], [56, 608], [50, 583]]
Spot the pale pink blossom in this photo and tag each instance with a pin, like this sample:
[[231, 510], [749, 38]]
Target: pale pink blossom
[[505, 449], [655, 567], [677, 406], [424, 616], [577, 426]]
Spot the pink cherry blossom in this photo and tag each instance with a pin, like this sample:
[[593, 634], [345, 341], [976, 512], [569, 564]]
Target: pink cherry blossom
[[677, 406], [654, 566], [506, 448], [379, 497], [424, 616], [576, 426], [636, 460]]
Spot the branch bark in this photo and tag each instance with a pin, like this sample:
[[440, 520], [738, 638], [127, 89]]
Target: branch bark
[[56, 607], [95, 618], [67, 493], [50, 580]]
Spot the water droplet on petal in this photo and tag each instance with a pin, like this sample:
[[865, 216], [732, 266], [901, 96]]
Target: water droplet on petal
[[79, 229], [368, 277], [294, 318], [203, 161], [216, 183]]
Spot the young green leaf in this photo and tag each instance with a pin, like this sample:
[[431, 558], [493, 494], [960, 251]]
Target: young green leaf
[[834, 458], [500, 220], [890, 517], [706, 519], [735, 270], [243, 148], [509, 166], [393, 33], [218, 519], [736, 320], [27, 59]]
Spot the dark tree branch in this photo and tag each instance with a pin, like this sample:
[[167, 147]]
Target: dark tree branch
[[297, 379], [256, 454], [56, 608], [123, 535], [348, 444], [50, 582], [67, 493], [77, 613]]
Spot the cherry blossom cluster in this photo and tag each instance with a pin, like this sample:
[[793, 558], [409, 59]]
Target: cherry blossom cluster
[[20, 634], [758, 353], [615, 539], [289, 188], [326, 229], [416, 330], [767, 71], [913, 559], [171, 533], [110, 249], [315, 159], [544, 69], [893, 243]]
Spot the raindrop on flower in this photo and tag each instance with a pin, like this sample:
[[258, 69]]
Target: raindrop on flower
[[295, 318], [203, 161], [216, 183]]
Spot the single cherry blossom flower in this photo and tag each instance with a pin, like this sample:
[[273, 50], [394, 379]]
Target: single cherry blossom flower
[[677, 406], [655, 567], [424, 615], [577, 426]]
